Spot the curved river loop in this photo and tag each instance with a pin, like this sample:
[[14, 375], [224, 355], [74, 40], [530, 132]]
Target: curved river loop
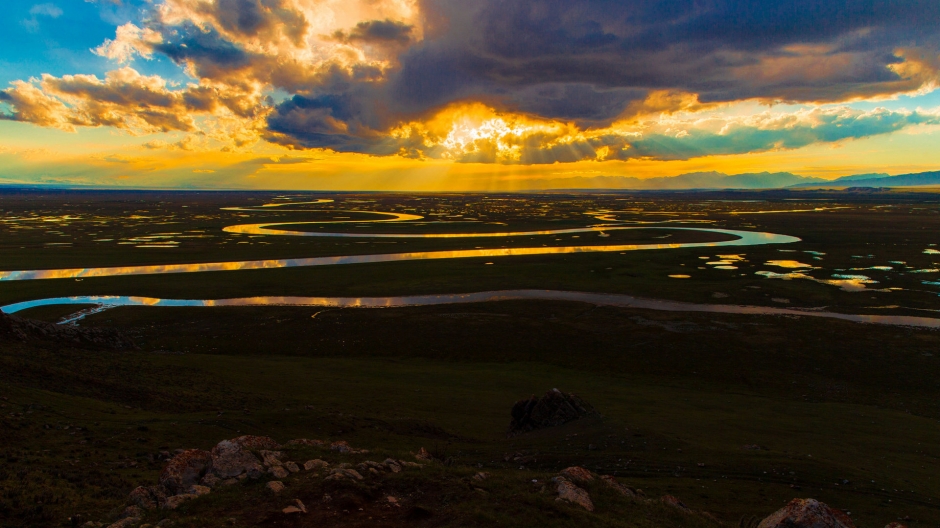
[[598, 299], [740, 238]]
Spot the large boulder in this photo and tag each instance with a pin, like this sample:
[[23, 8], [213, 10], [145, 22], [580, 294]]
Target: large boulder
[[569, 492], [231, 458], [807, 513], [185, 470], [551, 410]]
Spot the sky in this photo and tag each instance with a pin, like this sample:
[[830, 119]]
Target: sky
[[453, 95]]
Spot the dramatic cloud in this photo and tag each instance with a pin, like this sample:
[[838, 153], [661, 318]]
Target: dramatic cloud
[[509, 81]]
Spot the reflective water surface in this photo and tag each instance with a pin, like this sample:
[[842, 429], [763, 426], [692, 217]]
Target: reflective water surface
[[602, 299], [743, 238]]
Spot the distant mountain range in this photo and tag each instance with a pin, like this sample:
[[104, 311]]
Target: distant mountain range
[[879, 180], [760, 180]]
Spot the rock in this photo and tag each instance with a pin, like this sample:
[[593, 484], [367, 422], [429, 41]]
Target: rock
[[393, 501], [315, 464], [300, 505], [126, 523], [147, 498], [551, 410], [278, 472], [423, 455], [184, 470], [291, 509], [392, 465], [231, 459], [165, 522], [175, 501], [229, 481], [130, 511], [256, 443], [896, 525], [568, 491], [198, 491], [481, 476], [405, 463], [669, 500], [292, 467], [306, 442], [807, 513], [341, 473], [275, 486], [271, 458], [612, 483], [577, 474], [210, 480], [341, 446]]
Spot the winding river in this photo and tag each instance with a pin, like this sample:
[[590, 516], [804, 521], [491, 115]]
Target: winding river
[[741, 238], [600, 299]]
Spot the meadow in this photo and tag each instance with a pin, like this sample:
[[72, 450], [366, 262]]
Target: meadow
[[733, 414]]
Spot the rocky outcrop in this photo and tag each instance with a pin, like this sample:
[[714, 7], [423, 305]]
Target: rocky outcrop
[[233, 458], [14, 328], [807, 513], [569, 492], [577, 474], [620, 488], [185, 470], [551, 410]]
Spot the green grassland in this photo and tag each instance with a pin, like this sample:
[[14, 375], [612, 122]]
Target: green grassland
[[842, 412]]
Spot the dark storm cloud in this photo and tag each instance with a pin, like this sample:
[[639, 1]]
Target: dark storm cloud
[[587, 61], [377, 31]]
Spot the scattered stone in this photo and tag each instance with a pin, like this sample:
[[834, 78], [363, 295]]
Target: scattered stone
[[176, 501], [423, 455], [669, 500], [271, 458], [210, 480], [300, 505], [624, 490], [551, 410], [807, 513], [393, 501], [392, 465], [577, 474], [165, 522], [279, 472], [147, 498], [292, 467], [184, 470], [896, 525], [230, 459], [315, 464], [343, 447], [198, 491], [130, 511], [256, 443], [291, 509], [229, 481], [275, 486], [481, 476], [343, 473], [125, 523], [569, 492], [405, 463], [306, 442]]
